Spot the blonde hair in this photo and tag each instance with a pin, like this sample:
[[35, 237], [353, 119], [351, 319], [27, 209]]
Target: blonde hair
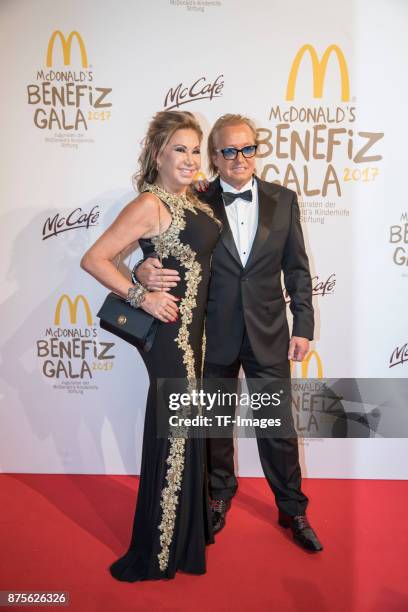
[[224, 121], [161, 128]]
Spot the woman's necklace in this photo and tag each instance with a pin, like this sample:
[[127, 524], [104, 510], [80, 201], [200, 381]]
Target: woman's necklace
[[182, 200]]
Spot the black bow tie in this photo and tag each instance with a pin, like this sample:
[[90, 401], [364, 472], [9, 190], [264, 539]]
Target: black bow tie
[[230, 197]]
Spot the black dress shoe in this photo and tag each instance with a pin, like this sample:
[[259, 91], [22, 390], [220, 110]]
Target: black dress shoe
[[219, 509], [303, 534]]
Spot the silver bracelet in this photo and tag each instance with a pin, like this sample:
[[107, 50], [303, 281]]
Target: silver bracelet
[[136, 295]]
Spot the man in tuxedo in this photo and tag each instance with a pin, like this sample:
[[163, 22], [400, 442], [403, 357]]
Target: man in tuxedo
[[246, 323]]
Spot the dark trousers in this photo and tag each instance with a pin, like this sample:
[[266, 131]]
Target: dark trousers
[[279, 456]]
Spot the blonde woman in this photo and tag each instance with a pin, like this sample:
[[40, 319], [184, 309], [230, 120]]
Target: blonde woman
[[172, 523]]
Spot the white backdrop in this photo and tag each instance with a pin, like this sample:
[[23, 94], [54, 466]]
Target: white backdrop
[[72, 396]]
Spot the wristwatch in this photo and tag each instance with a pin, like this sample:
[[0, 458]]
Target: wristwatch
[[137, 264], [135, 267]]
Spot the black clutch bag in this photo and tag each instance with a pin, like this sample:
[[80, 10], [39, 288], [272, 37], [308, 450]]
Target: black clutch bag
[[133, 325]]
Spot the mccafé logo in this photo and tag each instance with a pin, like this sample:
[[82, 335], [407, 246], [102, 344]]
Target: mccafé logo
[[201, 89], [305, 365], [64, 96], [72, 309], [319, 68], [66, 44], [74, 220], [399, 355], [319, 287]]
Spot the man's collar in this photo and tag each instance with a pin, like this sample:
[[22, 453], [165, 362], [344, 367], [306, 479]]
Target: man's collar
[[227, 187]]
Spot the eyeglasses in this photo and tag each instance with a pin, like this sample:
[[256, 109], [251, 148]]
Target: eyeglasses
[[232, 152]]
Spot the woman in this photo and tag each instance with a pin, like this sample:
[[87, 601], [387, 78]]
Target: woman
[[172, 521]]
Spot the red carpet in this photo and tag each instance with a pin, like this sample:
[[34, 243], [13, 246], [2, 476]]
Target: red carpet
[[62, 532]]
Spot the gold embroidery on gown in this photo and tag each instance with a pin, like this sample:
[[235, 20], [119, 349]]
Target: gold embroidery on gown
[[168, 244]]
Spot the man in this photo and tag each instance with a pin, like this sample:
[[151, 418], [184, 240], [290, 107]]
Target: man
[[246, 322]]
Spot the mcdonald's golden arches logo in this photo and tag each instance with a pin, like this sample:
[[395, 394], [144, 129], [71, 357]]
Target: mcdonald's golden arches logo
[[72, 309], [199, 176], [319, 68], [305, 365], [66, 44]]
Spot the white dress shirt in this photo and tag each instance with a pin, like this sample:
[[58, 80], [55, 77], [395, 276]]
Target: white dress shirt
[[243, 218]]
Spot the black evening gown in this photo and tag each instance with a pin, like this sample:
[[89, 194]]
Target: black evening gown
[[172, 522]]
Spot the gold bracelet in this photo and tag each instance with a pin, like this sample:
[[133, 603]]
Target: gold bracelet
[[136, 295]]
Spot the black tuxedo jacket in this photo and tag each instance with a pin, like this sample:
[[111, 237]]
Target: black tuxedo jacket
[[251, 297]]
